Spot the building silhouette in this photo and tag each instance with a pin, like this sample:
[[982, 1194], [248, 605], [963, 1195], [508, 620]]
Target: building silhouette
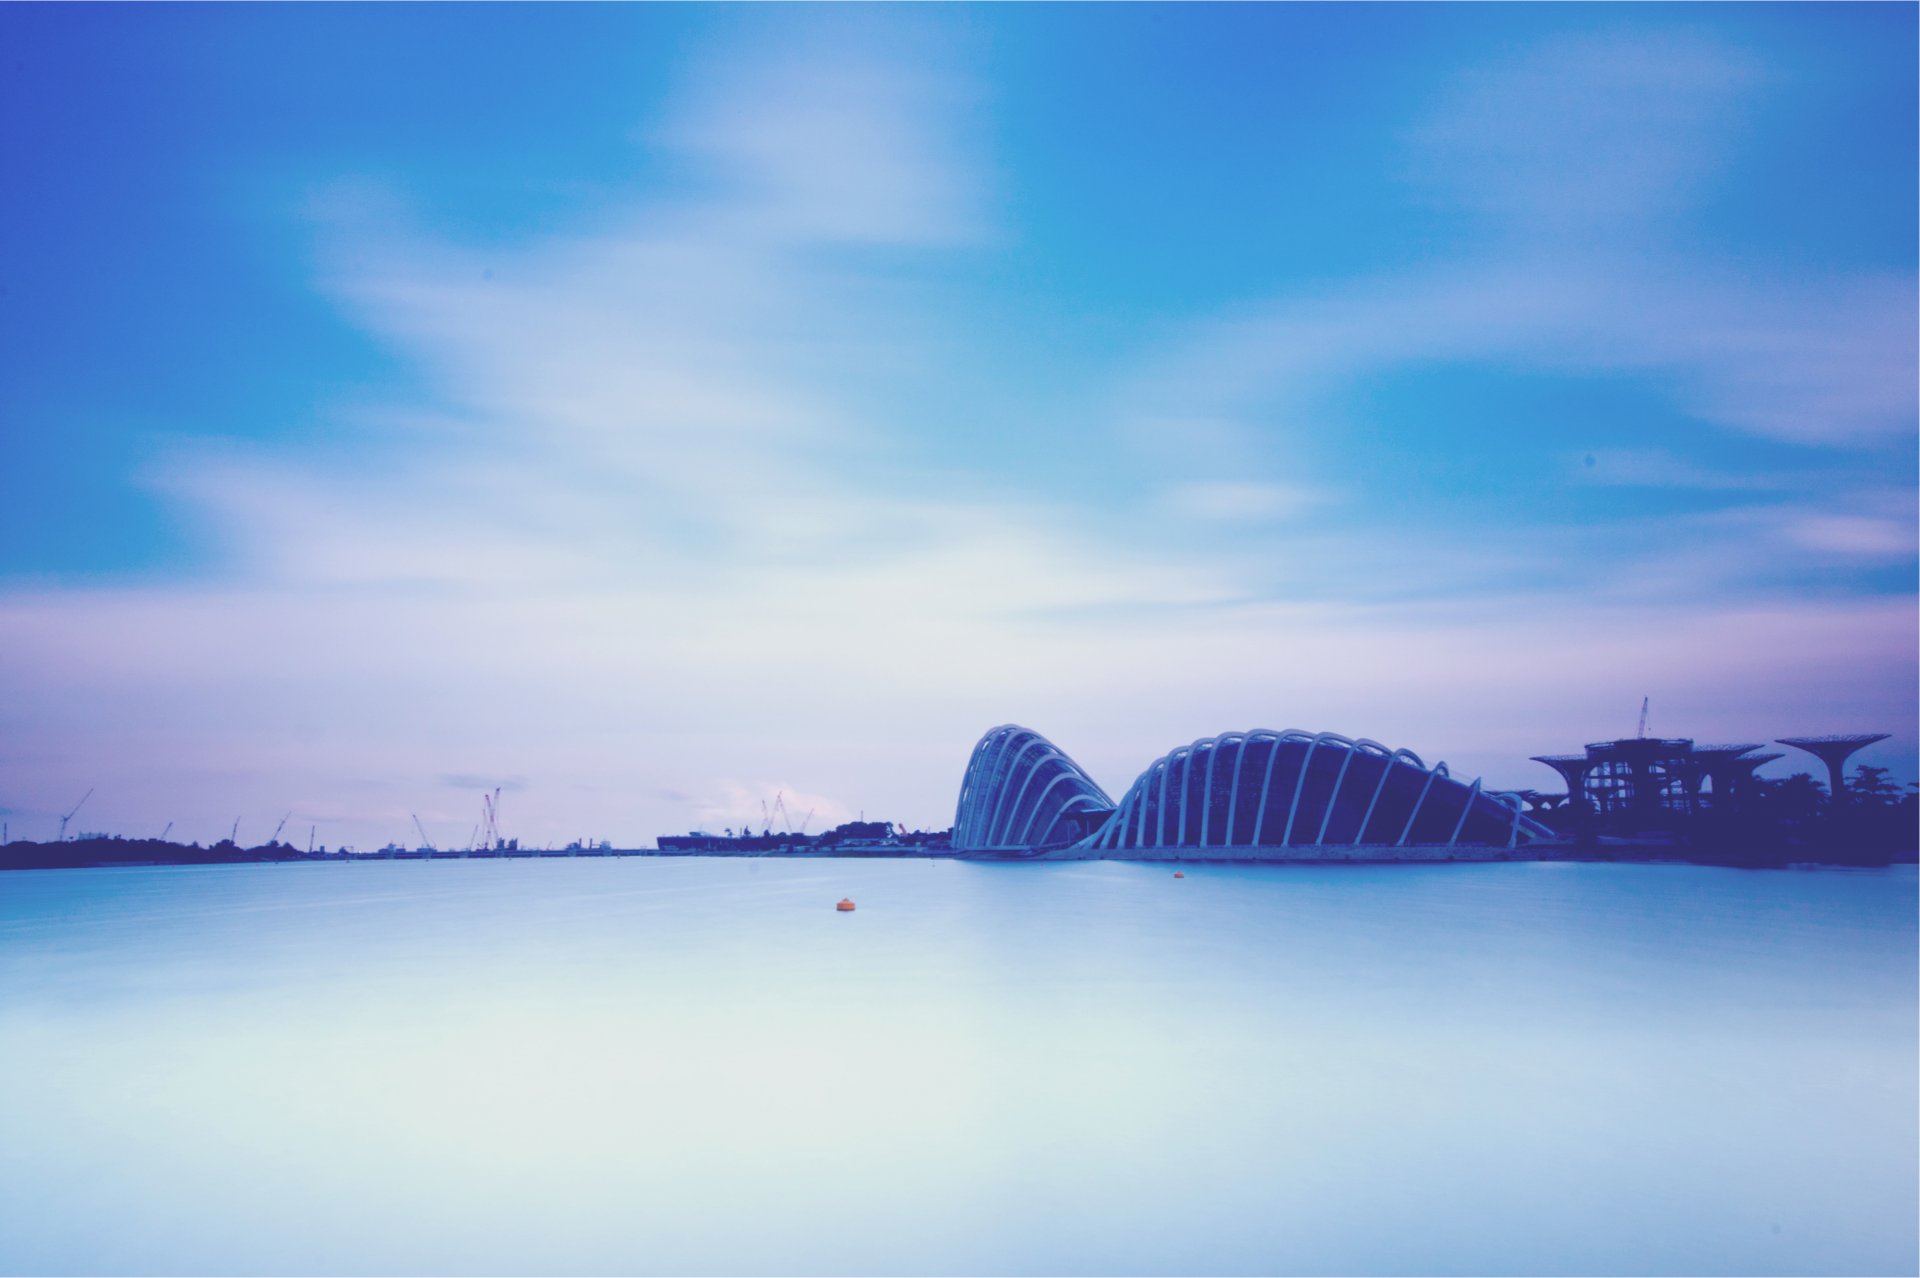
[[1834, 752], [1643, 782], [1239, 793]]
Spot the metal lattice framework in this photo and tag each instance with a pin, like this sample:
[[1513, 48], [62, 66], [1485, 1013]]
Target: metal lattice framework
[[1299, 789], [1022, 793]]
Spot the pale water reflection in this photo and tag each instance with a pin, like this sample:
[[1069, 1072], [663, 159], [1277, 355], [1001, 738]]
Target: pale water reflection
[[655, 1065]]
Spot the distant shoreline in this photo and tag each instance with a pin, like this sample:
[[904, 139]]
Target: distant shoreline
[[107, 853]]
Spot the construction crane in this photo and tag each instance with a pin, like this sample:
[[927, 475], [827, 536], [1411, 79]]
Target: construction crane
[[490, 824], [165, 832], [70, 811], [780, 807], [425, 842], [310, 830], [1643, 716], [234, 837], [276, 829], [808, 817]]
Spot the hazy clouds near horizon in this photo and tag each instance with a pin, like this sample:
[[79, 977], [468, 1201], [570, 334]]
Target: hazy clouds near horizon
[[652, 410]]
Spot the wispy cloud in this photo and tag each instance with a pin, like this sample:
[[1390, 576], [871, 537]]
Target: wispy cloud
[[1888, 538], [1815, 361], [476, 781], [650, 493], [1577, 160], [823, 146], [1238, 501], [663, 520], [1587, 135], [1662, 468]]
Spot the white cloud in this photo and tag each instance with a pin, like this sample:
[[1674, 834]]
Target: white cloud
[[1661, 468], [775, 806], [1815, 361], [1587, 135], [648, 521], [817, 146], [1581, 154], [1864, 535], [665, 525], [1238, 501]]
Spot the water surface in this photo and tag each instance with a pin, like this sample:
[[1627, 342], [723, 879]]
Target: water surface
[[697, 1065]]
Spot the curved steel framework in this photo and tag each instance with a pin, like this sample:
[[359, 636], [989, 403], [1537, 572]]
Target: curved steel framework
[[1304, 789], [1022, 793]]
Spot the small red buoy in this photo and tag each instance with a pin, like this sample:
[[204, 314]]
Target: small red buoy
[[1179, 874], [846, 904]]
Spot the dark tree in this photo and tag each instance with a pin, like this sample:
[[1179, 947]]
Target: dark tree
[[1795, 798], [1870, 786]]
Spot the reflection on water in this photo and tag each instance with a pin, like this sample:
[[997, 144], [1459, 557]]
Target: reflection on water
[[695, 1065]]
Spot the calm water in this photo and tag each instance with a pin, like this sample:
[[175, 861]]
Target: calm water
[[697, 1065]]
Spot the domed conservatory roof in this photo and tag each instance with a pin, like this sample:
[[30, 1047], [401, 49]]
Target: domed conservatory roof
[[1239, 790]]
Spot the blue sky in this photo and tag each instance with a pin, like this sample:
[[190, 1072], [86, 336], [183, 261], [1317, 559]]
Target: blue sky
[[654, 408]]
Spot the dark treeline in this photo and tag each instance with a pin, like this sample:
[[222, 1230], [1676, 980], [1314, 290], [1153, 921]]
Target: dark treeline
[[97, 850], [1782, 820], [1870, 820], [100, 850], [1779, 821]]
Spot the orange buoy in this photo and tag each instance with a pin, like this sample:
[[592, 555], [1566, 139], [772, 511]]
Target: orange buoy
[[846, 904], [1179, 874]]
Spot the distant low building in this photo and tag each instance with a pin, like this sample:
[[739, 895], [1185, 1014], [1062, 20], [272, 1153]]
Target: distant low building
[[738, 844], [866, 837], [1641, 777], [1640, 781]]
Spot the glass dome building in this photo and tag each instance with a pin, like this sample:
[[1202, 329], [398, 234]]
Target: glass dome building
[[1021, 793], [1235, 792]]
